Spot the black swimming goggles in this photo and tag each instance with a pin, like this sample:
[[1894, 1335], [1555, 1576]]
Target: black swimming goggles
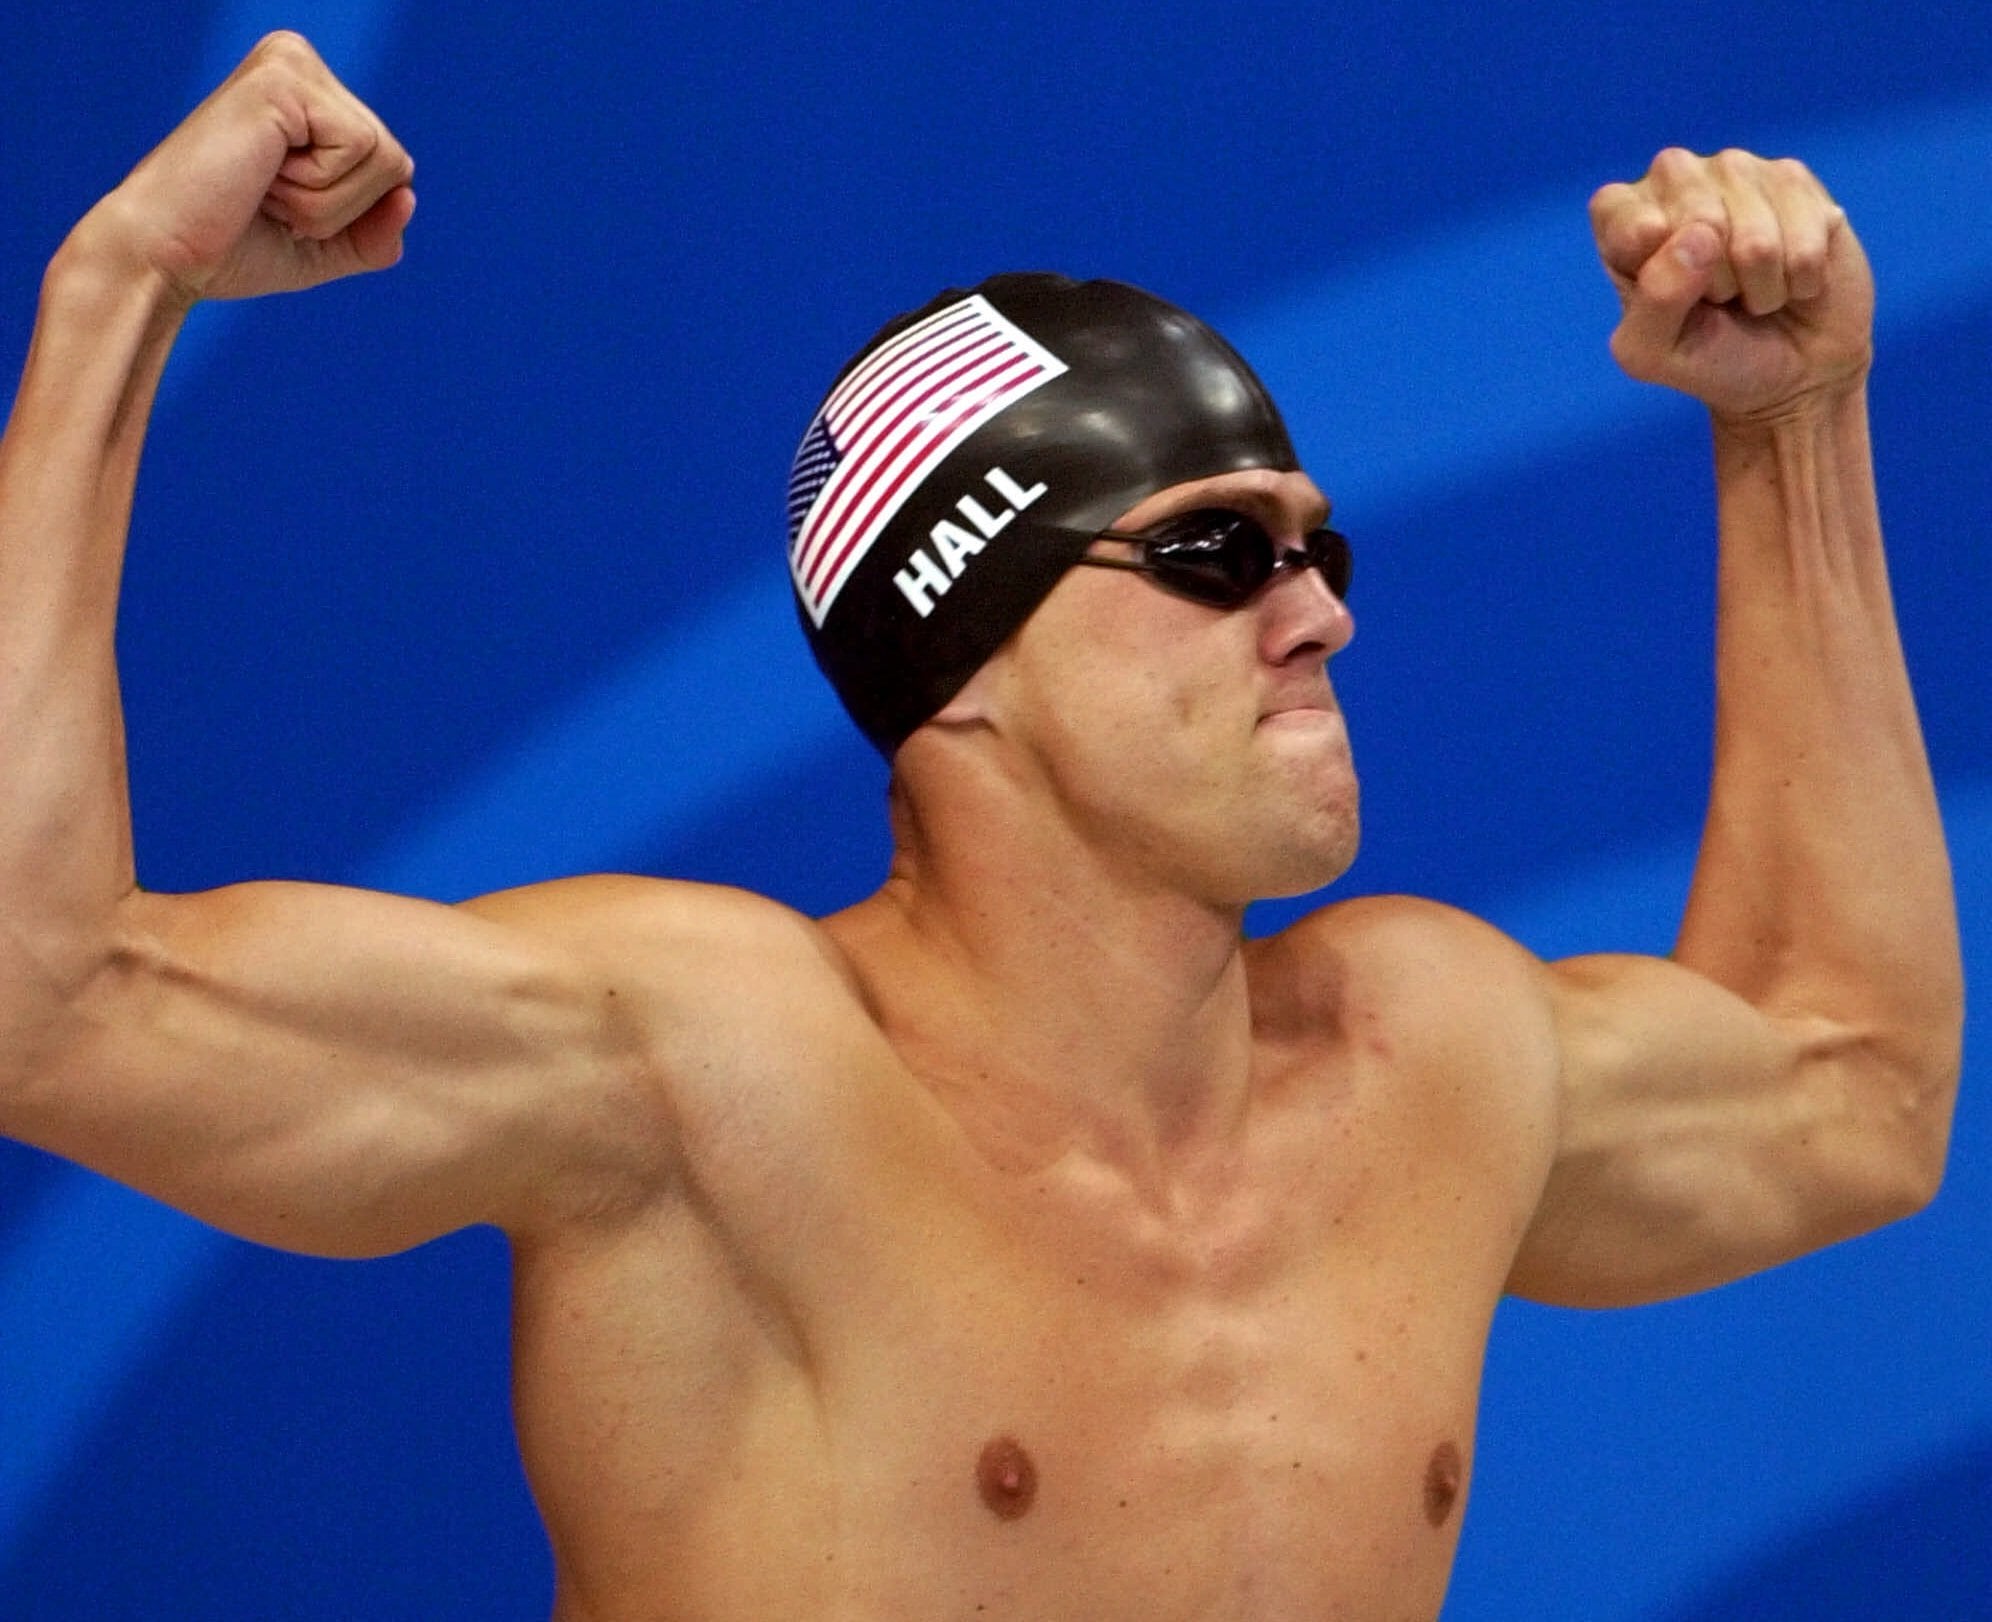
[[1225, 559]]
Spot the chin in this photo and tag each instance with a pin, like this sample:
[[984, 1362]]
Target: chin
[[1315, 871], [1337, 832], [1308, 858]]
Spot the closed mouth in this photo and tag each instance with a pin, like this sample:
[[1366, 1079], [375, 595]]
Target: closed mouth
[[1299, 714]]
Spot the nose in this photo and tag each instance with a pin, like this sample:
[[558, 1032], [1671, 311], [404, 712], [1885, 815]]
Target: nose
[[1301, 617]]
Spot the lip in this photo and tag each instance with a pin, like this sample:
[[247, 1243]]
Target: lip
[[1301, 715], [1313, 702]]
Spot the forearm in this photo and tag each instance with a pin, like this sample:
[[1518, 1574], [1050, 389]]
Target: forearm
[[1823, 889], [68, 466]]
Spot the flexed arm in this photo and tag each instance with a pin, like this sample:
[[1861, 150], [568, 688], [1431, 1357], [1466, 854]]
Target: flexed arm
[[1787, 1080], [317, 1068], [279, 180]]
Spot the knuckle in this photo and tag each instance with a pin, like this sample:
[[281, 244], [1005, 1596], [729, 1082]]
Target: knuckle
[[1624, 212], [1676, 163], [1733, 160], [1653, 221], [1607, 198], [1806, 266], [285, 45], [1751, 248], [1632, 356]]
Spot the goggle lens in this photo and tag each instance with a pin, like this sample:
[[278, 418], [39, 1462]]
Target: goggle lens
[[1225, 559]]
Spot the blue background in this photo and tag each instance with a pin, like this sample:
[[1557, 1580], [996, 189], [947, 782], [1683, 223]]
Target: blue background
[[472, 574]]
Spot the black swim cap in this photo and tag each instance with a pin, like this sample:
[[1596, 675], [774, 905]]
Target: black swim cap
[[964, 460]]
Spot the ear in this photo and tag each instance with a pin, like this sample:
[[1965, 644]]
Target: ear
[[965, 709], [974, 705]]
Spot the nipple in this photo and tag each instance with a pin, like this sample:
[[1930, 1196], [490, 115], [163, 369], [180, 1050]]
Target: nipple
[[1006, 1478], [1442, 1481]]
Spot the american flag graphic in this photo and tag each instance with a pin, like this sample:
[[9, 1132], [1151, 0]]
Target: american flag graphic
[[887, 426]]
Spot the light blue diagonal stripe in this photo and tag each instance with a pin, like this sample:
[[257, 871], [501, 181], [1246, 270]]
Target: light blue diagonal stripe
[[1510, 311]]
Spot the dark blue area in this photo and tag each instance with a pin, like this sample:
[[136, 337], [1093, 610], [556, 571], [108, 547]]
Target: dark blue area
[[314, 1440], [1912, 1553], [817, 840], [25, 1175]]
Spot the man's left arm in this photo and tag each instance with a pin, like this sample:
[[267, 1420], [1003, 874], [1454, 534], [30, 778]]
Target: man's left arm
[[1786, 1079]]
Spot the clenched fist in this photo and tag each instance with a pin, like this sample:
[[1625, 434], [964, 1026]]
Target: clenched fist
[[280, 180], [1741, 282]]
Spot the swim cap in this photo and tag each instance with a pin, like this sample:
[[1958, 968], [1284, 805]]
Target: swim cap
[[965, 459]]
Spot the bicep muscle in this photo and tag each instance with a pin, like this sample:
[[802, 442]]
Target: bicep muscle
[[1699, 1138], [331, 1070]]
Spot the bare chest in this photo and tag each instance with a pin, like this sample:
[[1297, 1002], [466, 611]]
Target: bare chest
[[959, 1390], [1245, 1411]]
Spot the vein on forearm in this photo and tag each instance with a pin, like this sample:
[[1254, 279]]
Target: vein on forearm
[[68, 466], [1823, 884]]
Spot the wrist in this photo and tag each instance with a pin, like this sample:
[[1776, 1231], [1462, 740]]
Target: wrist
[[107, 321], [100, 268], [1825, 407]]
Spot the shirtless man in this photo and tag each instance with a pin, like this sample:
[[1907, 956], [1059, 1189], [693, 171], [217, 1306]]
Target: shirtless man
[[1019, 1242]]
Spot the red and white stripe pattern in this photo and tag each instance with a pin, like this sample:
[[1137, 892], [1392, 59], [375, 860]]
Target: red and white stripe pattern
[[895, 419]]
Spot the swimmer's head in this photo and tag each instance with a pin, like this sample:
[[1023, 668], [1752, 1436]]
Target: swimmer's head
[[962, 462]]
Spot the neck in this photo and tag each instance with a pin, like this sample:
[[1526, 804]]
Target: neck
[[1057, 998]]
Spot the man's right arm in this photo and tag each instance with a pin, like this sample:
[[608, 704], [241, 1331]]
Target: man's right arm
[[321, 1069]]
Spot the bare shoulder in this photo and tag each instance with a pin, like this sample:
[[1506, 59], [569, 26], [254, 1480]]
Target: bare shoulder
[[1456, 1011], [617, 915], [687, 955], [1420, 957], [723, 994]]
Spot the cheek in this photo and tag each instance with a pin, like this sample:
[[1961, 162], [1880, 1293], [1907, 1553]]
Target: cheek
[[1172, 718], [1195, 704], [1151, 688], [1134, 747], [1176, 672]]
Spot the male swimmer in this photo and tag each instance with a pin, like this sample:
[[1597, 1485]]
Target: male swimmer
[[1020, 1242]]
